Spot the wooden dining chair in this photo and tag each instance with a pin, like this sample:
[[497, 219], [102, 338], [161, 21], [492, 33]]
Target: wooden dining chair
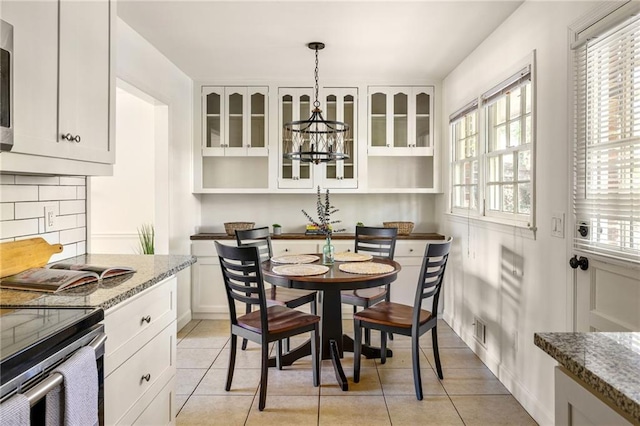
[[380, 242], [243, 282], [289, 297], [410, 321]]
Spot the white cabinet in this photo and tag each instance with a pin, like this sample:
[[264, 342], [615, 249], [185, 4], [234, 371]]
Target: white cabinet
[[234, 121], [400, 121], [64, 85], [337, 104], [208, 297], [140, 356]]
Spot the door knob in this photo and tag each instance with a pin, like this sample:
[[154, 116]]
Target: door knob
[[581, 262]]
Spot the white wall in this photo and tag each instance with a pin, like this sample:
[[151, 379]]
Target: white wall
[[371, 209], [515, 283], [144, 67], [132, 186]]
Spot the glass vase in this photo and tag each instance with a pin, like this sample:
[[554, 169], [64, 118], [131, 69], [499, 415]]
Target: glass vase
[[328, 252]]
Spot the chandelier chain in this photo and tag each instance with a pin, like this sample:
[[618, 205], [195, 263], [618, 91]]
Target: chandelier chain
[[317, 102]]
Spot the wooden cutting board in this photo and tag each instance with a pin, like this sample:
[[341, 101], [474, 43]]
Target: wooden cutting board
[[18, 256]]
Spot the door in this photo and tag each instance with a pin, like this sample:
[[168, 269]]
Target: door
[[607, 297]]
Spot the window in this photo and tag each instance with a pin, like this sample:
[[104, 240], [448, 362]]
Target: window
[[493, 155], [465, 173], [606, 193]]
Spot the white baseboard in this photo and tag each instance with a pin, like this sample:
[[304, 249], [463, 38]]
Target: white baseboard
[[184, 319]]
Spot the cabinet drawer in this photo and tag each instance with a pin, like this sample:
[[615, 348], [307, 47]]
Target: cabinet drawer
[[208, 248], [161, 411], [126, 386], [410, 248], [131, 324], [281, 247]]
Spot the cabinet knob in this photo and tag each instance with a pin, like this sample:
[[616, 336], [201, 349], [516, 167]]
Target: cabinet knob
[[410, 250], [145, 378], [67, 137], [286, 250], [77, 139], [146, 319]]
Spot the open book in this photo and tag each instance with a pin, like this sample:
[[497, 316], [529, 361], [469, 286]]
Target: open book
[[61, 276]]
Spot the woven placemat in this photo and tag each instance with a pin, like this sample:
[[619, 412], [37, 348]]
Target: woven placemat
[[347, 256], [295, 258], [300, 270], [366, 268]]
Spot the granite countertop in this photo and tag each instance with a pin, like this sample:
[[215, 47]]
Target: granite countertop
[[150, 269], [609, 363], [303, 236]]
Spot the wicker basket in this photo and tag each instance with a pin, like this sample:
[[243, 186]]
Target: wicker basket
[[404, 228], [231, 227]]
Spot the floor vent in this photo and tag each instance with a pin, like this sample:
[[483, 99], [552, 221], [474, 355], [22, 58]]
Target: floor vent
[[479, 330]]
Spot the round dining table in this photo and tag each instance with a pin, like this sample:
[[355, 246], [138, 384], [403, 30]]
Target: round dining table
[[330, 285]]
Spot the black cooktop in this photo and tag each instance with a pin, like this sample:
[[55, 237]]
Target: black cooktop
[[28, 334]]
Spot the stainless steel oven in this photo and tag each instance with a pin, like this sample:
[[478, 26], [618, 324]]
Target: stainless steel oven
[[6, 86], [35, 341]]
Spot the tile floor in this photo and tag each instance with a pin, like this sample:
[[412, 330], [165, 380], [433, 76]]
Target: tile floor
[[469, 394]]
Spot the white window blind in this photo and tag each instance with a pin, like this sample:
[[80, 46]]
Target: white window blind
[[606, 194]]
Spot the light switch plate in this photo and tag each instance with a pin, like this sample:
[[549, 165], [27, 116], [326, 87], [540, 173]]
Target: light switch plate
[[557, 224]]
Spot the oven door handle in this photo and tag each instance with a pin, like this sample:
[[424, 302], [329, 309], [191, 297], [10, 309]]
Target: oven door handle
[[40, 390]]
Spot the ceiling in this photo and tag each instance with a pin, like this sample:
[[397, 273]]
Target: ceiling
[[372, 41]]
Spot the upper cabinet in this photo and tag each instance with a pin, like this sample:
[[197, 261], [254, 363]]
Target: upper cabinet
[[63, 87], [400, 121], [234, 121], [337, 104]]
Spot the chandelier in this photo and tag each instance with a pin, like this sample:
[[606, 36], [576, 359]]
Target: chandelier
[[315, 140]]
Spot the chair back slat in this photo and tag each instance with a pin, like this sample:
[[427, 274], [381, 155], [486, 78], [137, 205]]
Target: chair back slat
[[242, 276], [380, 242], [257, 237], [431, 276]]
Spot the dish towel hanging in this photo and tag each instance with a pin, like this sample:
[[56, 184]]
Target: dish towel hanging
[[15, 411], [77, 397]]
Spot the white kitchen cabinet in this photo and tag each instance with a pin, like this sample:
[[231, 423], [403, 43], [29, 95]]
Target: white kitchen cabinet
[[63, 86], [234, 121], [337, 104], [140, 356], [208, 297]]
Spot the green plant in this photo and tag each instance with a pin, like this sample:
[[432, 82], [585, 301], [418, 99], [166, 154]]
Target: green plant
[[359, 224], [325, 210], [275, 225], [146, 236]]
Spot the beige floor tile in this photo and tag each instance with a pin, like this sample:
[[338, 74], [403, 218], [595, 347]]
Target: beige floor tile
[[180, 400], [285, 410], [353, 410], [187, 328], [491, 410], [455, 358], [399, 381], [188, 379], [291, 381], [347, 363], [472, 381], [215, 410], [369, 383], [199, 339], [445, 340], [402, 359], [219, 326], [245, 382], [196, 358], [250, 358], [432, 410]]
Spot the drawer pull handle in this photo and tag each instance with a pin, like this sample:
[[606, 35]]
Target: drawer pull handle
[[410, 250], [145, 378], [146, 319]]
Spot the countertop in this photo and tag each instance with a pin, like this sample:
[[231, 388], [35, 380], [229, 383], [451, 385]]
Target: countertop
[[609, 363], [303, 236], [150, 269]]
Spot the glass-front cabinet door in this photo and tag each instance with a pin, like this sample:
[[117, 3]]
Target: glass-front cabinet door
[[400, 121], [340, 104], [295, 104], [234, 121]]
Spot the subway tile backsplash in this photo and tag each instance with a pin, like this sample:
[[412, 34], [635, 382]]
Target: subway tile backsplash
[[22, 202]]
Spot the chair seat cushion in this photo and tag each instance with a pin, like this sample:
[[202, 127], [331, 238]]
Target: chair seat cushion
[[364, 297], [391, 314], [284, 296], [281, 319]]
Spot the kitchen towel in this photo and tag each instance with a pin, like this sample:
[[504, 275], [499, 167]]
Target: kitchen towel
[[79, 391], [15, 411]]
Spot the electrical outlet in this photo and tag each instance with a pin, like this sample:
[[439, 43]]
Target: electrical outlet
[[50, 215], [557, 224]]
